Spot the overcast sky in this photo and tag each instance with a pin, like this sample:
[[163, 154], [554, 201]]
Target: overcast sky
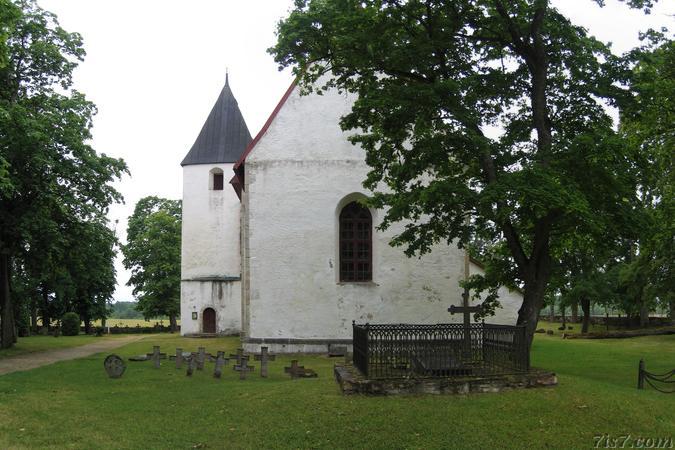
[[154, 68]]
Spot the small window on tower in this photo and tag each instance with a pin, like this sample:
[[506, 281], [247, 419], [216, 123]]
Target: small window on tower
[[217, 181]]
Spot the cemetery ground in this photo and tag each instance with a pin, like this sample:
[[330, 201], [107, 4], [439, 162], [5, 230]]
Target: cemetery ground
[[73, 404]]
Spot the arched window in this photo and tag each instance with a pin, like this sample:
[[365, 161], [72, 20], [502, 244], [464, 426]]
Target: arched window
[[356, 243], [216, 179]]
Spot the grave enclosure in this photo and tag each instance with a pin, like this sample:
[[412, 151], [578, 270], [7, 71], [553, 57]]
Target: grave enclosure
[[439, 358]]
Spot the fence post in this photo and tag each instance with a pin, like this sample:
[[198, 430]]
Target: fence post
[[641, 374]]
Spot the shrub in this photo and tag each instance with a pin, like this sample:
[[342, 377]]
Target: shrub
[[70, 324]]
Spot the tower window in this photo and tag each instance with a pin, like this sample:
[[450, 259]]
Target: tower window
[[217, 181], [356, 245]]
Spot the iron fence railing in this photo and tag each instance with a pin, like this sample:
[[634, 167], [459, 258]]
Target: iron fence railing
[[441, 350]]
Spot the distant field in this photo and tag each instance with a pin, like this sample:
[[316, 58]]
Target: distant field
[[133, 322]]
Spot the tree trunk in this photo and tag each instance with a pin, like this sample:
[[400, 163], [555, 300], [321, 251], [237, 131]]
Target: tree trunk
[[644, 313], [33, 316], [172, 322], [533, 298], [7, 332], [87, 323], [672, 311], [45, 308], [586, 307], [562, 314], [552, 312], [575, 312]]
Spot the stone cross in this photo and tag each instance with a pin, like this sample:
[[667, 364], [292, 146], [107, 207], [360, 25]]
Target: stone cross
[[239, 355], [220, 362], [466, 310], [201, 356], [243, 368], [179, 358], [295, 370], [190, 365], [264, 357], [155, 356]]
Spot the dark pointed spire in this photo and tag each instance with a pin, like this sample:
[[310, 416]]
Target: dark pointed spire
[[224, 136]]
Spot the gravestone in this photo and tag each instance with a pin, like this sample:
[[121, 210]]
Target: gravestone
[[240, 355], [179, 358], [190, 365], [297, 371], [155, 356], [243, 368], [114, 366], [220, 362], [264, 357], [201, 356]]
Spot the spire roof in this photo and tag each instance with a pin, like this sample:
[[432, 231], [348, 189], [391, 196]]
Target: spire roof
[[224, 135]]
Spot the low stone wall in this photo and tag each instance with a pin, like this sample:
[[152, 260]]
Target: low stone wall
[[352, 382]]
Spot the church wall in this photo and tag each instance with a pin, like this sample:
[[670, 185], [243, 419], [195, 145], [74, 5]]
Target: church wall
[[299, 174], [210, 254], [223, 296]]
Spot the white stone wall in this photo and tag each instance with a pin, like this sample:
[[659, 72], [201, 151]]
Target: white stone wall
[[298, 177], [510, 301], [223, 296], [210, 256]]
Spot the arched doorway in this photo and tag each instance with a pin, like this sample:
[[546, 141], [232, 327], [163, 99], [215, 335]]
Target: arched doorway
[[209, 321]]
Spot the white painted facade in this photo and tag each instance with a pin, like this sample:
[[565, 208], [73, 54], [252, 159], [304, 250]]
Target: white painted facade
[[298, 177], [268, 264], [210, 254]]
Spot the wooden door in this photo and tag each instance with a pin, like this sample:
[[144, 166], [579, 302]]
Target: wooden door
[[209, 321]]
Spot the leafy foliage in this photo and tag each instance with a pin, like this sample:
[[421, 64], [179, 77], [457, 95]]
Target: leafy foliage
[[152, 254], [70, 324], [436, 82], [54, 188]]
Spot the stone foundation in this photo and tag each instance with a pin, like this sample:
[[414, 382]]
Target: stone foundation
[[352, 382]]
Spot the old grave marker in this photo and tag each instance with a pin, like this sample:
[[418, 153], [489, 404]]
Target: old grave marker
[[264, 357], [297, 371], [243, 368], [114, 366], [220, 362]]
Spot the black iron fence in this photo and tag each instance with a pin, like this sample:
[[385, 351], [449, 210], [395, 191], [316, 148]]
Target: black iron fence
[[441, 350]]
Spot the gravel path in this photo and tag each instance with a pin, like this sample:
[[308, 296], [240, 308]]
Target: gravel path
[[29, 361]]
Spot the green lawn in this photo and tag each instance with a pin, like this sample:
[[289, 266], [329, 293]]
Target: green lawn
[[74, 405], [39, 343]]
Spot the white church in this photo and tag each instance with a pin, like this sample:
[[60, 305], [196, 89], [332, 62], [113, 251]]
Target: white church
[[276, 246]]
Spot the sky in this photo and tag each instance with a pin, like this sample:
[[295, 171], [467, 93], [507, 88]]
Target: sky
[[154, 68]]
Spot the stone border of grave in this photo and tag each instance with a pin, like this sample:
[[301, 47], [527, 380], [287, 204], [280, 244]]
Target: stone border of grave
[[351, 381]]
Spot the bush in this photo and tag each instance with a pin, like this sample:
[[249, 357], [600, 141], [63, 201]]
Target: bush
[[70, 324]]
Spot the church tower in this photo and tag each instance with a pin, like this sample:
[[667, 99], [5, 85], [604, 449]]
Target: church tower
[[210, 255]]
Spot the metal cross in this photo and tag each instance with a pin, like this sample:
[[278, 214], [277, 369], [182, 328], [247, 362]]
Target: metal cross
[[264, 357], [466, 310], [243, 367]]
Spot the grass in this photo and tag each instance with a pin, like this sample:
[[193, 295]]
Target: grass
[[74, 405], [40, 343]]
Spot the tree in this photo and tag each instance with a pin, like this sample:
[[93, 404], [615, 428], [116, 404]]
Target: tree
[[152, 253], [49, 174], [436, 81], [648, 124]]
